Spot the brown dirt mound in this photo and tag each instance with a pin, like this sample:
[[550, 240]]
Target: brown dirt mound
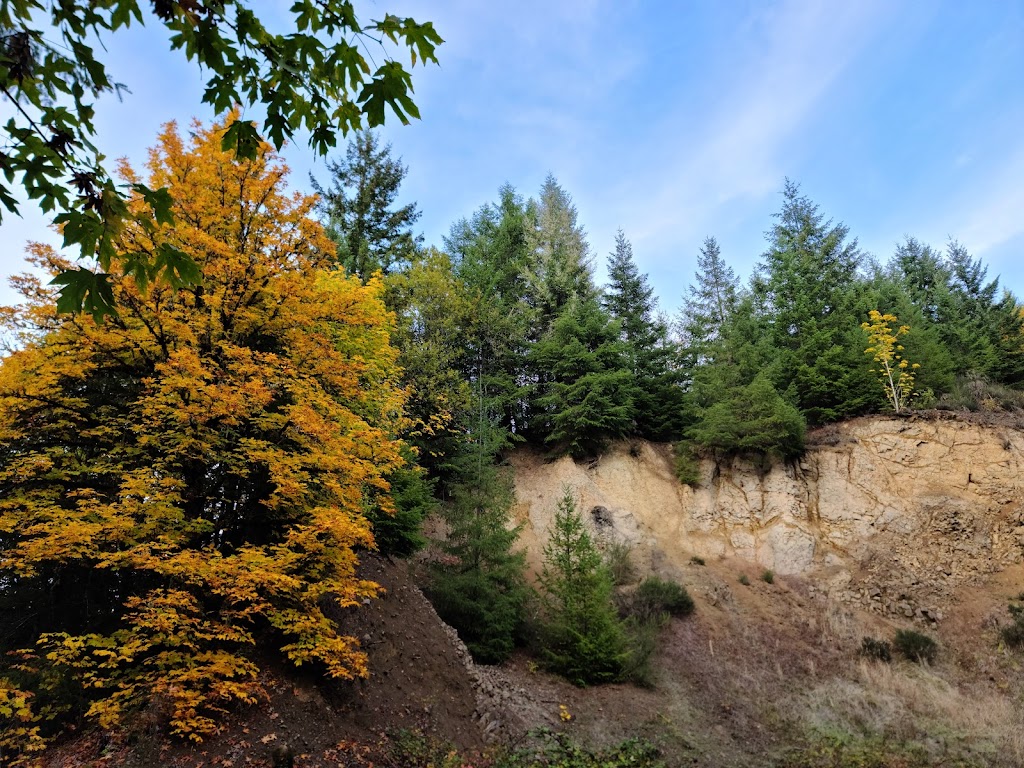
[[418, 680]]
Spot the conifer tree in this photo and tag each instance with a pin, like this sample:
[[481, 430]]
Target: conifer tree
[[752, 418], [479, 586], [586, 397], [710, 301], [650, 355], [583, 638], [560, 269], [807, 287], [359, 208]]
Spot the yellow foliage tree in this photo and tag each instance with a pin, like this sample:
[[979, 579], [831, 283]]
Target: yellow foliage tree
[[189, 480], [895, 373]]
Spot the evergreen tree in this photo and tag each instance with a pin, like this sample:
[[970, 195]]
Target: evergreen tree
[[710, 301], [752, 419], [807, 287], [583, 638], [560, 268], [479, 587], [650, 355], [491, 253], [586, 398], [359, 208]]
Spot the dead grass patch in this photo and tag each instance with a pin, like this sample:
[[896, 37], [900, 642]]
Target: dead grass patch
[[912, 703]]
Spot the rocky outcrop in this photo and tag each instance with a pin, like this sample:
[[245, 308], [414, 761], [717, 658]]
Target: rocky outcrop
[[889, 512]]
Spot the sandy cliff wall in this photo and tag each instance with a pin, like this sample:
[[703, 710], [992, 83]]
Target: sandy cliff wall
[[885, 511]]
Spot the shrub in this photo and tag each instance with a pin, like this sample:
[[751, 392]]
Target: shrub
[[655, 597], [879, 650], [768, 577], [915, 646], [744, 580], [686, 464], [1013, 635], [697, 560]]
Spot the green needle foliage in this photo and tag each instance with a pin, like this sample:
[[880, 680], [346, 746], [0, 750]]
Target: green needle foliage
[[583, 638], [479, 586]]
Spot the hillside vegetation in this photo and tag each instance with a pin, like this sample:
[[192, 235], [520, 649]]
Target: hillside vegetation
[[188, 487]]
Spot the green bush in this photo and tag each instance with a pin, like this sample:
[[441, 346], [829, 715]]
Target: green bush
[[744, 580], [976, 393], [879, 650], [1013, 635], [686, 464], [844, 751], [654, 598], [559, 751], [915, 646], [768, 577]]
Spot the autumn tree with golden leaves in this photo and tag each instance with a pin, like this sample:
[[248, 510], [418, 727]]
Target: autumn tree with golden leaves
[[188, 481]]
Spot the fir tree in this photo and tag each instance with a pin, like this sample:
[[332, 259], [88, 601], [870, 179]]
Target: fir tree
[[479, 586], [560, 270], [650, 355], [359, 208], [710, 301], [752, 419], [586, 398], [807, 287], [583, 638]]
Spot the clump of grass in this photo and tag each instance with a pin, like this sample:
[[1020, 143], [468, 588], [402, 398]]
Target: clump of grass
[[879, 650], [618, 556], [744, 580], [768, 577], [915, 646], [697, 560]]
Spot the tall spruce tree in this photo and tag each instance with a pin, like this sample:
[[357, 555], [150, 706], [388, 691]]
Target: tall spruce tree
[[649, 353], [807, 286], [359, 208], [709, 301]]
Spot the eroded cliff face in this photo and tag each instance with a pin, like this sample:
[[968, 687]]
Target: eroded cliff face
[[892, 513]]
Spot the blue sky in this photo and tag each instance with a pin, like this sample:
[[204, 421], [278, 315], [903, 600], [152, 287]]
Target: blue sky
[[679, 120]]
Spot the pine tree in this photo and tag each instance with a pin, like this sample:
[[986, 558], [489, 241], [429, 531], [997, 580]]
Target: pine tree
[[359, 209], [583, 638]]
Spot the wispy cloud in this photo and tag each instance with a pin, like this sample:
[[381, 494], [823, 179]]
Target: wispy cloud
[[796, 52]]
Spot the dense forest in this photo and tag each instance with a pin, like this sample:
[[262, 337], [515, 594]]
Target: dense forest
[[187, 480]]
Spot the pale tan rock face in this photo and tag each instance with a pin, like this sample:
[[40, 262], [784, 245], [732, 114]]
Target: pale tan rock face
[[895, 506]]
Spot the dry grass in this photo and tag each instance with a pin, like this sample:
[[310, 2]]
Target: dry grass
[[910, 702]]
